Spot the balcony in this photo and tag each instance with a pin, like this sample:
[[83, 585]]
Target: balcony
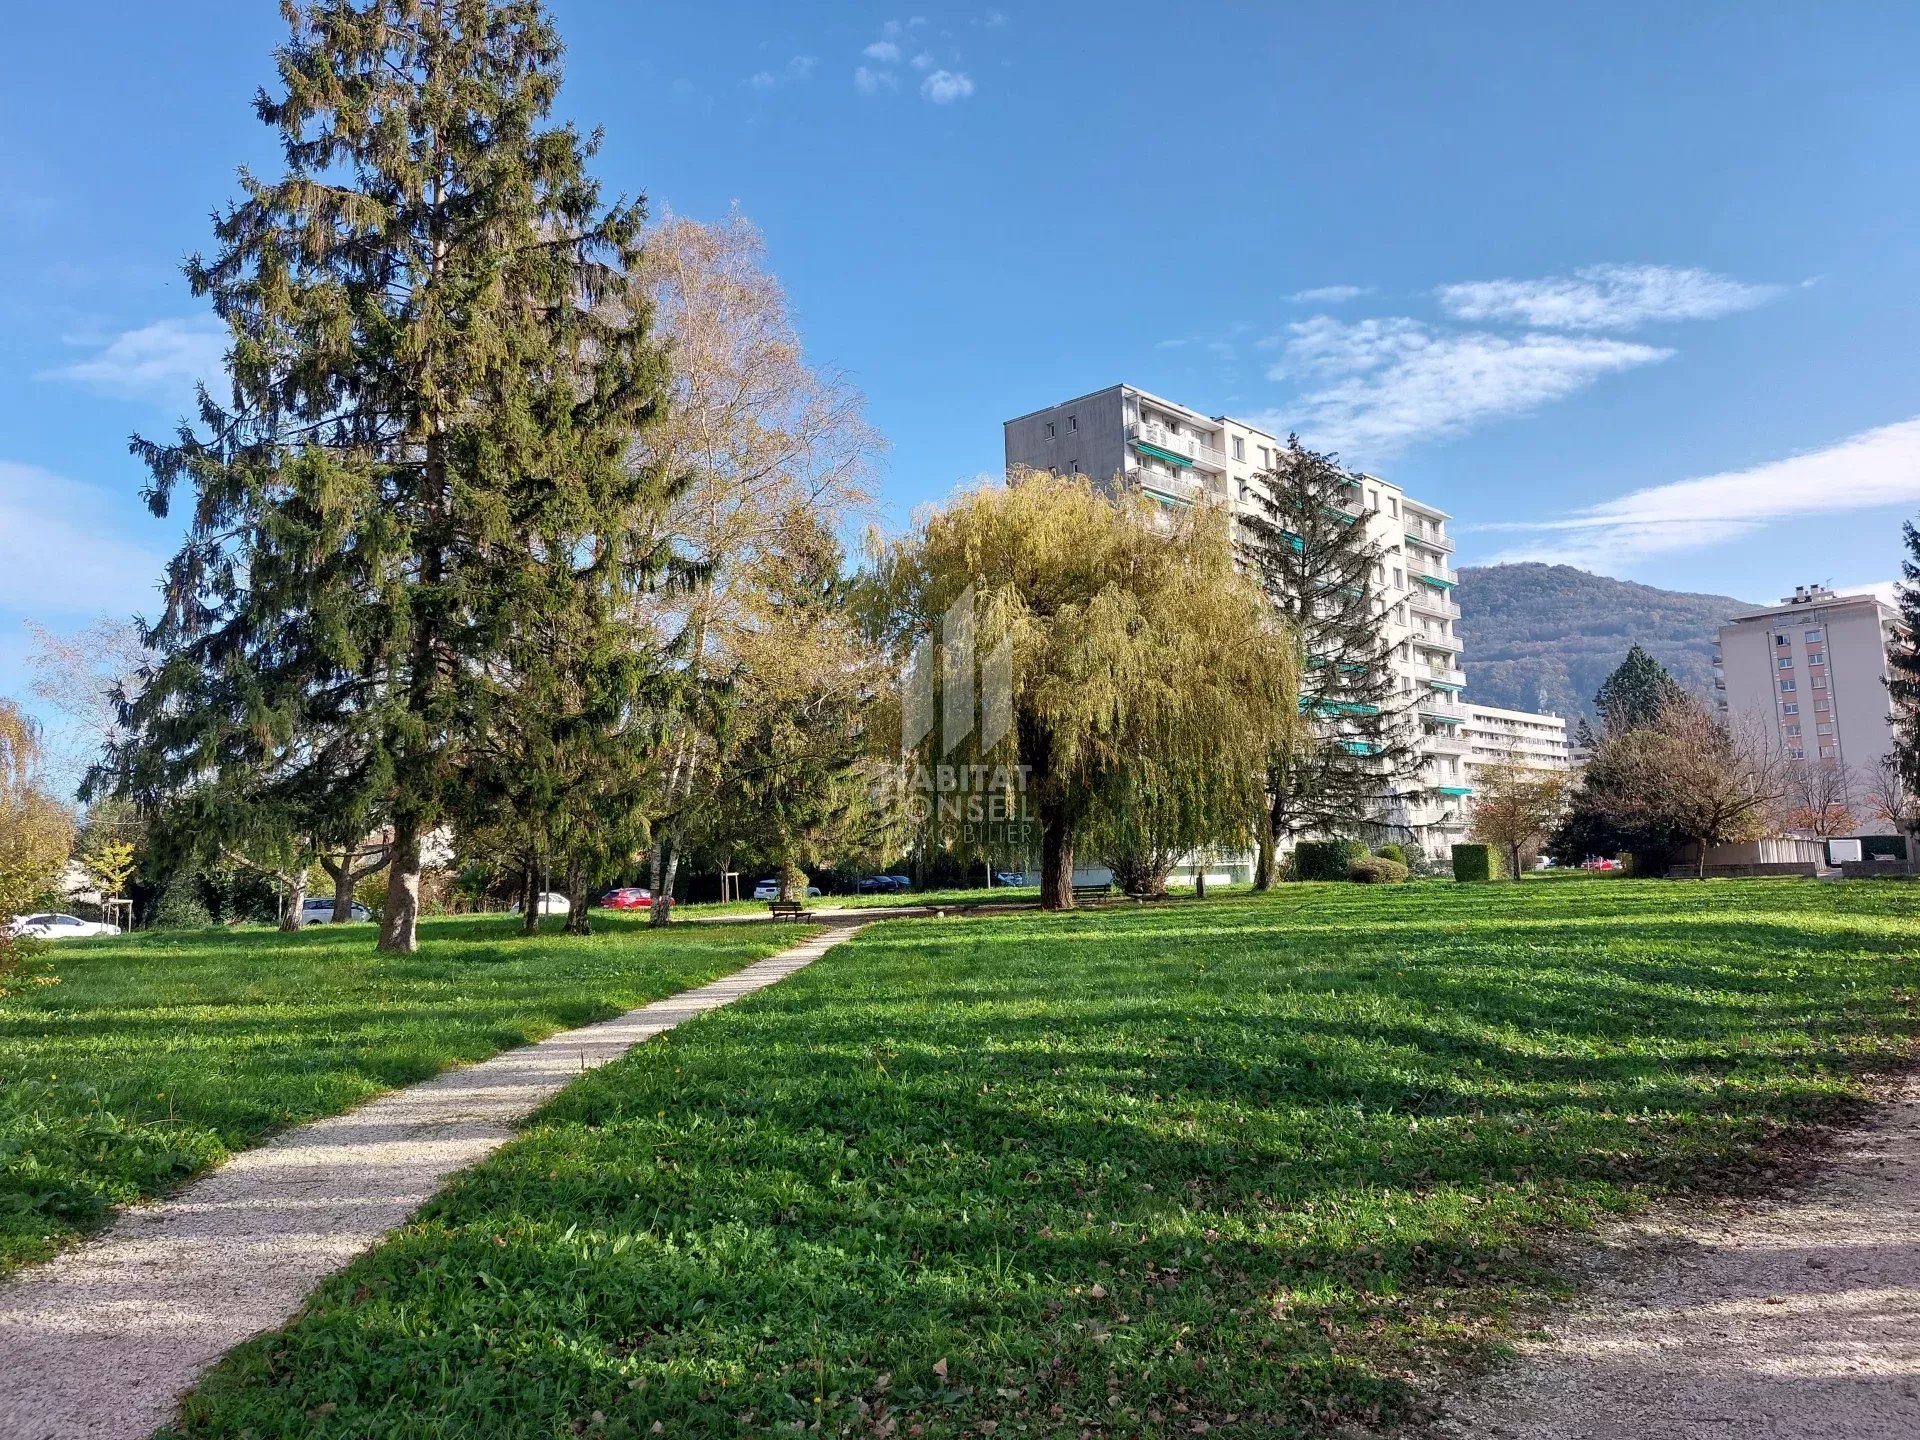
[[1176, 488], [1449, 644], [1435, 575], [1431, 538], [1439, 742], [1438, 705], [1427, 601], [1446, 675], [1158, 439]]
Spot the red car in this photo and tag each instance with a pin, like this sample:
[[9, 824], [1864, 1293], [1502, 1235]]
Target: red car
[[631, 897]]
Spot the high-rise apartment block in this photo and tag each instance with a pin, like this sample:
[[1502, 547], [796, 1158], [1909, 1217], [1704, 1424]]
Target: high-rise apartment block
[[1181, 456], [1811, 674]]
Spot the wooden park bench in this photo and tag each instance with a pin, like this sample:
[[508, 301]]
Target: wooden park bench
[[786, 909], [1091, 892]]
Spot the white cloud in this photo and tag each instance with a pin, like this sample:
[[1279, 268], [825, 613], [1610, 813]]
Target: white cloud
[[943, 87], [1605, 297], [884, 51], [59, 548], [872, 82], [800, 67], [1393, 380], [922, 61], [161, 361], [1879, 467], [995, 19], [1329, 294]]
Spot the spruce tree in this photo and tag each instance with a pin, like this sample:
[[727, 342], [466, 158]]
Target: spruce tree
[[1354, 748], [1636, 693], [434, 380], [1903, 659]]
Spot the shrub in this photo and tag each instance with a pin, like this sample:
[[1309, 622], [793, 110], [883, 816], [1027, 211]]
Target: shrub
[[180, 906], [1393, 850], [1376, 870], [1476, 864], [1326, 859]]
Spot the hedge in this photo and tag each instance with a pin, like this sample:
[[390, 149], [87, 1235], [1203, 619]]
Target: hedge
[[1376, 870], [1326, 859], [1393, 850], [1476, 864]]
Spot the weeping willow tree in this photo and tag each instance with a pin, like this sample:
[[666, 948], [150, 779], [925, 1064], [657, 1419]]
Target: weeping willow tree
[[1142, 677]]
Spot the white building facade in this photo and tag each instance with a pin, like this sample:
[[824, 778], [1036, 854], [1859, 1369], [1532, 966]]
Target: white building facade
[[1811, 675], [1180, 456]]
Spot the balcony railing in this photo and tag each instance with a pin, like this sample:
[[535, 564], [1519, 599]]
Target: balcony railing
[[1432, 539], [1189, 447], [1425, 600], [1173, 487], [1440, 743], [1452, 644], [1446, 675], [1438, 706]]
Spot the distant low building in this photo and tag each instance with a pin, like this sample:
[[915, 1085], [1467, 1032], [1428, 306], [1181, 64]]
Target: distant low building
[[1494, 734]]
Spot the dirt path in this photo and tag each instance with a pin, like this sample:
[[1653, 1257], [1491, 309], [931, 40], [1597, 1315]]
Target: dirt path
[[1798, 1320], [101, 1341]]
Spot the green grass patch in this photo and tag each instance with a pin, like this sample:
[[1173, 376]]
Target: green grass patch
[[1245, 1166], [159, 1054]]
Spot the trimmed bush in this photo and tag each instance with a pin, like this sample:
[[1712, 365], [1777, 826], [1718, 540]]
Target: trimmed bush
[[1326, 859], [1477, 864], [1376, 870], [1393, 850]]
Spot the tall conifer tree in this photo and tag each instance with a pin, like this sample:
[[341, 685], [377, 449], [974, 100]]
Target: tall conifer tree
[[436, 373], [1903, 659], [1353, 750], [1636, 693]]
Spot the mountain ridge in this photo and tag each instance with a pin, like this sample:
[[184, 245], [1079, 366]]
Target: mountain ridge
[[1543, 637]]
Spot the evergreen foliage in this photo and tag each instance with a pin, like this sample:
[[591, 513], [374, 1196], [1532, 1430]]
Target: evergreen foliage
[[1903, 660], [1353, 748], [436, 375], [1327, 859], [1636, 693]]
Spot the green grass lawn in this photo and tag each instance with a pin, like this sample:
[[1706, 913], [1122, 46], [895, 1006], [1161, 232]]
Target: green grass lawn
[[1248, 1166], [999, 894], [158, 1054]]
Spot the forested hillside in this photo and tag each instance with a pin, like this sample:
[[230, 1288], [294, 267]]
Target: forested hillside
[[1543, 637]]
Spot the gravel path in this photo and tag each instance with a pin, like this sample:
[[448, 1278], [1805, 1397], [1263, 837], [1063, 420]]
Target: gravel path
[[101, 1341], [1801, 1320]]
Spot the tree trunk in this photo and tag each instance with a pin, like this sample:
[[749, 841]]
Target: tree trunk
[[293, 900], [1514, 860], [1265, 862], [1701, 872], [1056, 856], [1200, 882], [342, 892], [530, 897], [664, 876], [400, 916], [579, 922]]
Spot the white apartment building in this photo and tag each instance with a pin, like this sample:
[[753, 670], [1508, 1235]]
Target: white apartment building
[[1811, 673], [1124, 436], [1494, 734]]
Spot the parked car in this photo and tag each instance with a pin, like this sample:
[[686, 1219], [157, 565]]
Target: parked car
[[901, 882], [770, 890], [318, 910], [58, 927], [1600, 864], [627, 897], [875, 884], [1009, 877], [551, 903]]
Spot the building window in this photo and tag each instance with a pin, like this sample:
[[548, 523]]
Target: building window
[[1393, 507], [1789, 729], [1049, 429], [1829, 752], [1239, 448], [1823, 729], [1783, 639], [1816, 657], [1785, 662], [1814, 637], [1787, 687], [1790, 707], [1073, 422], [1821, 702], [1263, 457], [1819, 682]]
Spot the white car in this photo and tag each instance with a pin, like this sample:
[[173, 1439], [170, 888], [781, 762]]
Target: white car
[[770, 890], [318, 910], [551, 903], [58, 927]]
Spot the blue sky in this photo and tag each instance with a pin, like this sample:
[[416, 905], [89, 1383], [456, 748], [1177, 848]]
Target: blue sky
[[1632, 286]]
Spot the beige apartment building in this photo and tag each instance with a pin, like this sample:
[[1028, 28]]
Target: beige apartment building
[[1180, 456], [1811, 674]]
